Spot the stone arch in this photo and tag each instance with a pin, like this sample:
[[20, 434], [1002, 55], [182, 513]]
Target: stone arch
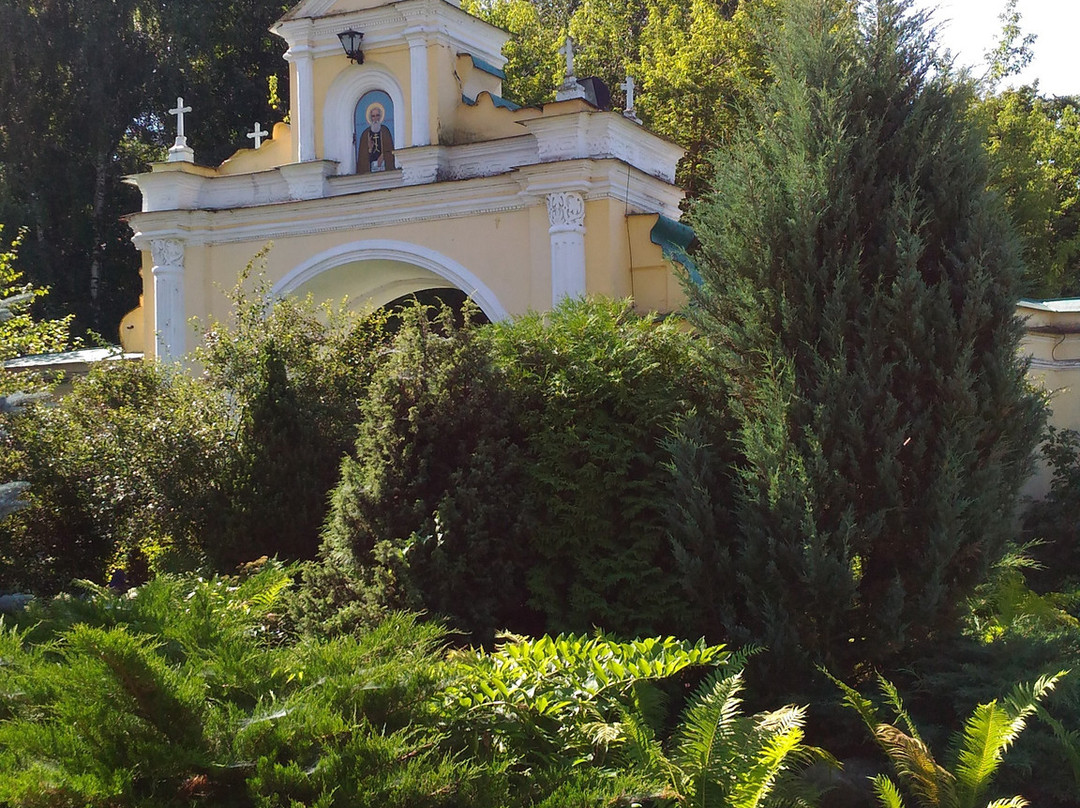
[[415, 267], [340, 105]]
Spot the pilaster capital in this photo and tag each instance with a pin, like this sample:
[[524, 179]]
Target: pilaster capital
[[566, 212], [167, 252]]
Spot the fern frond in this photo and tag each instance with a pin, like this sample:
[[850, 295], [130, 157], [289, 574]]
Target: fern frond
[[639, 747], [1068, 739], [856, 701], [915, 764], [989, 731], [704, 734], [886, 792], [1011, 802], [779, 737], [892, 696]]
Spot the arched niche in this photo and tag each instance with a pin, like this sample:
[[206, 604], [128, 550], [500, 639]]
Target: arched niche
[[345, 92], [379, 271]]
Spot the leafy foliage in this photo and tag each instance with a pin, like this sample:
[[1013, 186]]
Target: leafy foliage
[[144, 464], [975, 755], [195, 691], [186, 691], [1034, 148], [512, 476], [560, 698], [83, 94], [859, 288], [695, 62], [22, 334], [1052, 522]]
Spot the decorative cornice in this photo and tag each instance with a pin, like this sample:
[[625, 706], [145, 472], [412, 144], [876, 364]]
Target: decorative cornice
[[406, 205], [256, 207], [438, 21]]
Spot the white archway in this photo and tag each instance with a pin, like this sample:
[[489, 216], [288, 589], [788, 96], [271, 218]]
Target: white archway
[[341, 99], [400, 251]]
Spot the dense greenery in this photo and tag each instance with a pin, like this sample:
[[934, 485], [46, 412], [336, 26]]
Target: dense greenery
[[860, 290], [84, 90], [144, 465], [191, 691], [695, 63], [1034, 146], [514, 476], [827, 469]]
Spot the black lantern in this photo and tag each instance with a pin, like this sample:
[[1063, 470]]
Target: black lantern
[[351, 41]]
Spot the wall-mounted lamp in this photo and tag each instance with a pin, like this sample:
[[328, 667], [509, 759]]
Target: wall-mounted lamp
[[351, 41]]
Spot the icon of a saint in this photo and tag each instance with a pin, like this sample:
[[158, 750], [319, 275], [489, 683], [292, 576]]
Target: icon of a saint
[[376, 149]]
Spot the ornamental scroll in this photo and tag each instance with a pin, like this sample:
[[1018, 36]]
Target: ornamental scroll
[[566, 211], [167, 252]]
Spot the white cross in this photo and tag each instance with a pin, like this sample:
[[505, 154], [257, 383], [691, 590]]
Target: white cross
[[258, 135], [629, 87], [567, 50], [179, 113]]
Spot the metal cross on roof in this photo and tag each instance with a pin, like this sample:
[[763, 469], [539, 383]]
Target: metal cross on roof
[[258, 135], [567, 50], [629, 86], [179, 113]]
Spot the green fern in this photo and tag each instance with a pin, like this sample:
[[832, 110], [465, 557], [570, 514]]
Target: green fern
[[724, 759], [975, 754]]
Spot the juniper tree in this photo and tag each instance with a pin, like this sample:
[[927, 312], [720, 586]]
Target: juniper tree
[[858, 283]]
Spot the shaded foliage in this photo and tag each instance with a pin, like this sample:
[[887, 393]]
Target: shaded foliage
[[84, 91], [513, 476], [859, 288], [145, 465]]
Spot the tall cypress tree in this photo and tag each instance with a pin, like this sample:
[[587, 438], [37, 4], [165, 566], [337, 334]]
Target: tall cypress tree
[[859, 284]]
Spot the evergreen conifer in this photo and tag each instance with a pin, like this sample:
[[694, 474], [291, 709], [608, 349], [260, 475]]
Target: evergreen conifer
[[859, 285]]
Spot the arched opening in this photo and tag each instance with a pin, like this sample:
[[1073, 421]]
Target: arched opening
[[434, 300], [339, 112], [376, 273]]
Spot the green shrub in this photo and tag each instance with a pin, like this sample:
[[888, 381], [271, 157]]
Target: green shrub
[[1054, 521], [193, 691], [514, 476], [147, 464]]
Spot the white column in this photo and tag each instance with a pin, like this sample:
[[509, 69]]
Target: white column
[[169, 315], [566, 217], [421, 92], [305, 104]]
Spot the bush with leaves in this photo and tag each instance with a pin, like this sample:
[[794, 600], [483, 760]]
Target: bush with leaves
[[513, 476], [21, 333], [143, 463], [194, 691], [187, 690], [1053, 522], [1009, 631]]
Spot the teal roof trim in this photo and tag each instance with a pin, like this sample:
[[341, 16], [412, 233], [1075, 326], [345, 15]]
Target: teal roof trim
[[675, 240], [498, 101], [480, 64]]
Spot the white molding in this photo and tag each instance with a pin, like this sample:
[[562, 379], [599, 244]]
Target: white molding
[[390, 250], [340, 108], [602, 135], [419, 85], [167, 271], [566, 217], [386, 25]]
